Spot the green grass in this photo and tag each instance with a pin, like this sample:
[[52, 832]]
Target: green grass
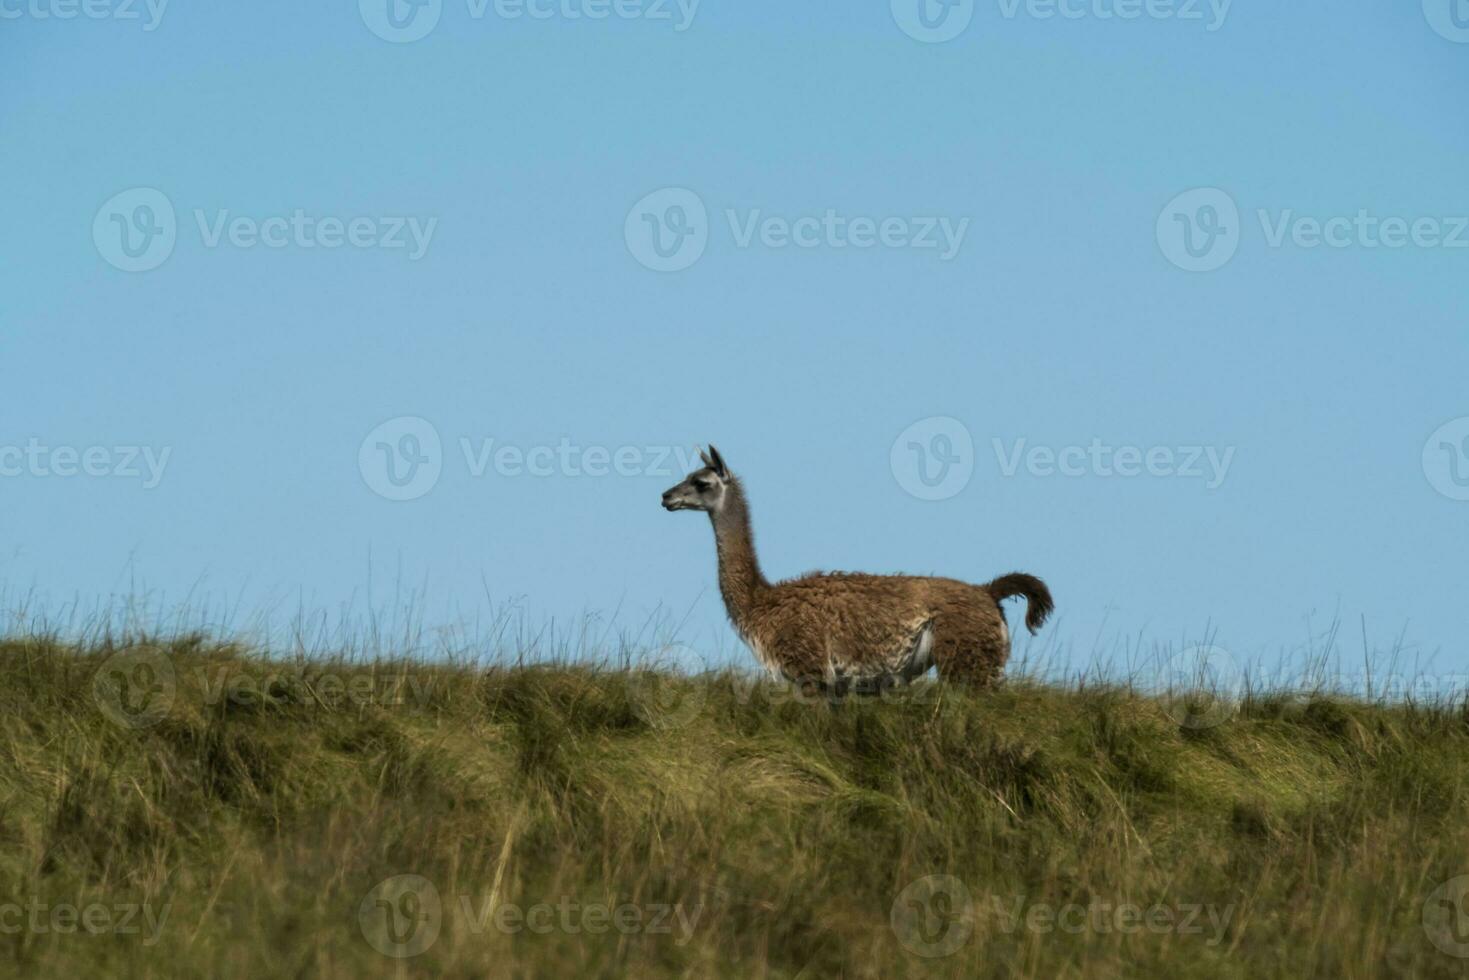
[[249, 809]]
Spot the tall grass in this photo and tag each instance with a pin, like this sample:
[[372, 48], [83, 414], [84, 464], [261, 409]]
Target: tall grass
[[286, 812]]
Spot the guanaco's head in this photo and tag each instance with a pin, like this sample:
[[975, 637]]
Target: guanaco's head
[[702, 489]]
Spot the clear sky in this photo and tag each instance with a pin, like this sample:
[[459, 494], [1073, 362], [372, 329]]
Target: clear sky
[[994, 236]]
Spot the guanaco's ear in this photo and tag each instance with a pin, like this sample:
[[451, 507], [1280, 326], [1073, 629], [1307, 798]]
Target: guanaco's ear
[[716, 463], [704, 458]]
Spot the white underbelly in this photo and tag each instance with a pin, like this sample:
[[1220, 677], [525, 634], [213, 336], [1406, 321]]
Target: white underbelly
[[771, 665], [922, 657]]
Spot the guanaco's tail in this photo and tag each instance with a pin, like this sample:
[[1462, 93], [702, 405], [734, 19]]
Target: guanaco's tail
[[1037, 596]]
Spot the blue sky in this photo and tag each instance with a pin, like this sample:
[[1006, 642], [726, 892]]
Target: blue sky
[[529, 153]]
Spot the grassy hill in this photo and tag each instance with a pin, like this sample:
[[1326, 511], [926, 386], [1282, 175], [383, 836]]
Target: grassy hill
[[188, 808]]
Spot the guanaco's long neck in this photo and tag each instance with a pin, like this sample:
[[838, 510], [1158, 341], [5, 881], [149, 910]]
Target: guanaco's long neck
[[740, 579]]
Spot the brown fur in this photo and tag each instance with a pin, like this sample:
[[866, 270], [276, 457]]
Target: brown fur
[[839, 628]]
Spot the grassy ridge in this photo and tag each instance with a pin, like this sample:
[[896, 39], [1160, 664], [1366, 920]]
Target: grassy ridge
[[209, 812]]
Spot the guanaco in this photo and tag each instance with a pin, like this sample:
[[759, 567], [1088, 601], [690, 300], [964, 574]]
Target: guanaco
[[847, 631]]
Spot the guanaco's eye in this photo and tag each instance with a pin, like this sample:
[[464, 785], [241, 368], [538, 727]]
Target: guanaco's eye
[[702, 485]]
